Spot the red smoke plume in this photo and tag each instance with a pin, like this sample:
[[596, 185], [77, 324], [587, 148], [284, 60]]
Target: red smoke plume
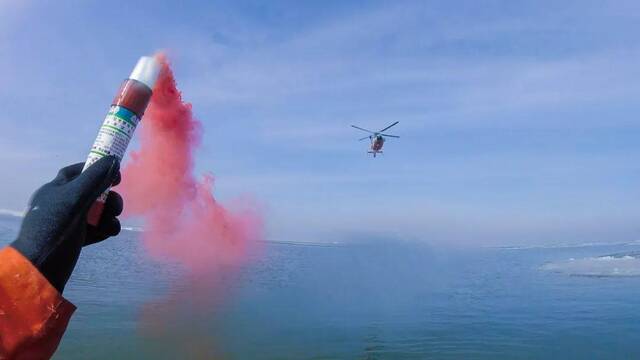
[[183, 221]]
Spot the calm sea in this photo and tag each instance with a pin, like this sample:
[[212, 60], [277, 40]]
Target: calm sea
[[377, 300]]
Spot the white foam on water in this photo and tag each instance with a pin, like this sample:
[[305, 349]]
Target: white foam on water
[[14, 213], [601, 266], [566, 246], [20, 214], [132, 228]]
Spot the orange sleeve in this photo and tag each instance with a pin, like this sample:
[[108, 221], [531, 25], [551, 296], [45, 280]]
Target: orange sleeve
[[33, 314]]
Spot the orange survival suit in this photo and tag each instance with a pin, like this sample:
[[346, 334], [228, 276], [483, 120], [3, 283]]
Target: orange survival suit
[[35, 268], [33, 314]]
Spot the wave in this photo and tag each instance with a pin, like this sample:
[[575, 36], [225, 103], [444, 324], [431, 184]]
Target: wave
[[615, 265], [304, 243], [566, 246]]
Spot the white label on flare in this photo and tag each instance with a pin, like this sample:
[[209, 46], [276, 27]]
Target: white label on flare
[[113, 138]]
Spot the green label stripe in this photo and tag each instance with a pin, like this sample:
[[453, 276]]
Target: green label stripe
[[123, 114], [116, 129], [98, 152], [125, 120]]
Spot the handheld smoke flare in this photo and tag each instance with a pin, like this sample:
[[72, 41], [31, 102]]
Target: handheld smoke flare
[[127, 108]]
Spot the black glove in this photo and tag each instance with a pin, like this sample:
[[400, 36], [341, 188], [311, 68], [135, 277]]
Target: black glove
[[55, 227]]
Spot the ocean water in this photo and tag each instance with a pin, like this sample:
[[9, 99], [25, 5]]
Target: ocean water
[[368, 300]]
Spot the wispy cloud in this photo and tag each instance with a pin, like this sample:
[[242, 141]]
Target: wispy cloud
[[394, 60]]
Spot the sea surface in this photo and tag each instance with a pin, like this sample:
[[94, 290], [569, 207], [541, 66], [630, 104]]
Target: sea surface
[[366, 300]]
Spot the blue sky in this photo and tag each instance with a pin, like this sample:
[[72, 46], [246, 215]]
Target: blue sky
[[518, 118]]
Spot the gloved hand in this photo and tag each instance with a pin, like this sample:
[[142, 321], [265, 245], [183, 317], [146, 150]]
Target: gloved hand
[[55, 228]]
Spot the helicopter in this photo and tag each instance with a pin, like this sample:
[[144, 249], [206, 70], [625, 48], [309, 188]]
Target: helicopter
[[377, 138]]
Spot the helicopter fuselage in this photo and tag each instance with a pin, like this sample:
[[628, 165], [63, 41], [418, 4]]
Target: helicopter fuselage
[[376, 143]]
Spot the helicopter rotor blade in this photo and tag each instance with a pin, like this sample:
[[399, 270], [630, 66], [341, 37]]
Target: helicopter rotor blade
[[393, 136], [359, 128], [388, 127], [364, 138]]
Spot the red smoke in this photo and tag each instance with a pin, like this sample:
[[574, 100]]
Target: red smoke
[[183, 221]]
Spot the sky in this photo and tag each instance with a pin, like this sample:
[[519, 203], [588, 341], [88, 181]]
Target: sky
[[517, 118]]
